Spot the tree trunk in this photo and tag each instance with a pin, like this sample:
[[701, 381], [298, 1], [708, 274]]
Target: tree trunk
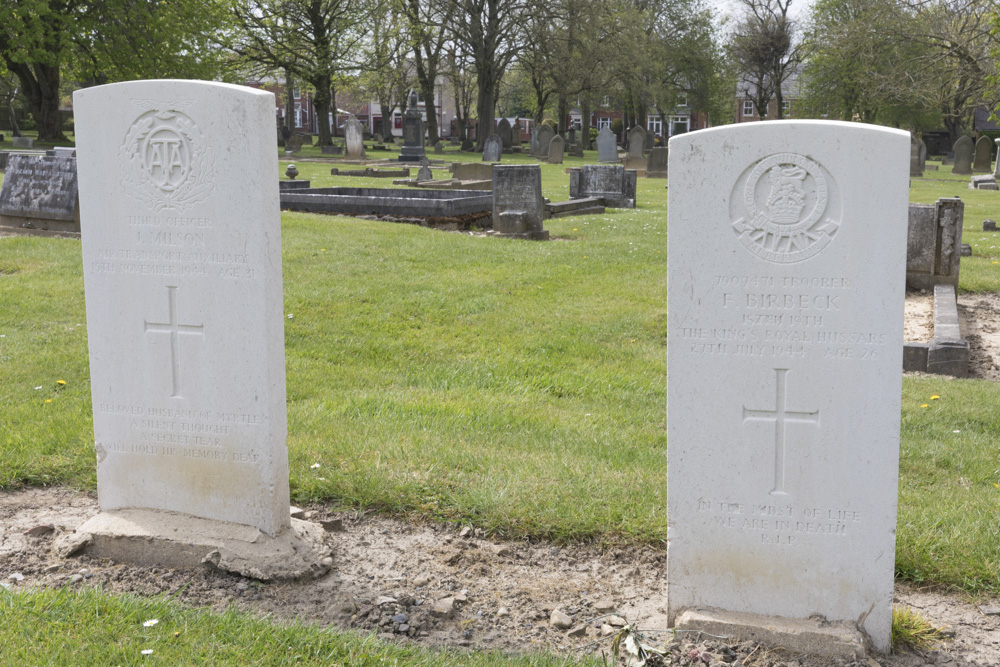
[[563, 124], [485, 105], [333, 110], [427, 90], [41, 87], [585, 123], [289, 102], [321, 101]]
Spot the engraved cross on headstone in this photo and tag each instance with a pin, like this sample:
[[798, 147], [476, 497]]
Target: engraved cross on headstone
[[780, 415], [175, 329]]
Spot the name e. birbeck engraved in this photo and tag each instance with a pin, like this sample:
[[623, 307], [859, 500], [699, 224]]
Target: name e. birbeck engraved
[[175, 329], [780, 415]]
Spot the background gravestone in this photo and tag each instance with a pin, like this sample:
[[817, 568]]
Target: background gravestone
[[533, 146], [518, 206], [933, 243], [607, 147], [556, 148], [492, 148], [545, 134], [656, 166], [963, 156], [611, 183], [916, 168], [996, 169], [413, 133], [354, 135], [982, 162], [636, 141], [504, 132], [40, 192], [797, 419], [182, 275]]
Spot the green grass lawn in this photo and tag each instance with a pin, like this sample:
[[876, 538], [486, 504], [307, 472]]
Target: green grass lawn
[[516, 386]]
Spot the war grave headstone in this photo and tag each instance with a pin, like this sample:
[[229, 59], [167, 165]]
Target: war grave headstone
[[982, 160], [963, 156], [40, 192], [916, 169], [354, 136], [607, 146], [556, 148], [611, 183], [183, 287], [636, 141], [785, 332], [413, 133], [492, 148], [518, 206], [504, 132], [656, 165], [545, 134]]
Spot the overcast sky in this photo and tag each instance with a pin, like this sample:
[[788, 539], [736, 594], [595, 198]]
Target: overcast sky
[[798, 10]]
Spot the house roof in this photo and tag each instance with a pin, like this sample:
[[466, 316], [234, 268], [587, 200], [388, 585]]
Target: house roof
[[792, 88]]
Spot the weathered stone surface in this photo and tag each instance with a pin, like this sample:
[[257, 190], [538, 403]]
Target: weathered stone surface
[[811, 636], [354, 135], [636, 141], [40, 192], [428, 203], [612, 183], [656, 165], [607, 147], [505, 133], [560, 620], [413, 133], [425, 174], [776, 251], [545, 134], [23, 142], [471, 171], [556, 148], [518, 206], [963, 156], [492, 148], [933, 240], [983, 158]]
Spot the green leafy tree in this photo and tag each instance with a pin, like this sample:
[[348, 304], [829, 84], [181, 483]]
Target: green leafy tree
[[764, 49]]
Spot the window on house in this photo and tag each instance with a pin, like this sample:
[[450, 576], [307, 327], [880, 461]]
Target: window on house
[[679, 124], [654, 124], [747, 108], [298, 115], [786, 107], [603, 122], [606, 102], [682, 100]]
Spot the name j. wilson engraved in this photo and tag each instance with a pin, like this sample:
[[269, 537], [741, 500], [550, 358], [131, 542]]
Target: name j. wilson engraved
[[783, 301], [173, 239]]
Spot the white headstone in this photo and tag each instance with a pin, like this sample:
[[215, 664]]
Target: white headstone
[[354, 137], [785, 300], [182, 271]]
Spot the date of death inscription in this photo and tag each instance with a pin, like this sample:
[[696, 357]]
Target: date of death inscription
[[779, 524], [784, 318]]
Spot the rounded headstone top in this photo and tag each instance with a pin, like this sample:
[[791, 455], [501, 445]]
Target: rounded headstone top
[[413, 99]]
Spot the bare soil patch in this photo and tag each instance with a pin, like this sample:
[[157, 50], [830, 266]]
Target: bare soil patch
[[979, 321], [442, 585]]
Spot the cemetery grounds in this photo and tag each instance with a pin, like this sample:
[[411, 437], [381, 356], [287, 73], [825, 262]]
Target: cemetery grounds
[[480, 421]]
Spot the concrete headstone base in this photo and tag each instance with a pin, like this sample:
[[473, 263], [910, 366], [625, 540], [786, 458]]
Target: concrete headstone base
[[171, 539], [813, 636]]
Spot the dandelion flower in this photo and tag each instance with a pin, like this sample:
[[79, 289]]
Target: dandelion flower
[[48, 400], [60, 382], [150, 623], [935, 397], [925, 405]]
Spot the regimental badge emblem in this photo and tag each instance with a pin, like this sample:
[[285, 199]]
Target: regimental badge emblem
[[165, 159], [786, 208]]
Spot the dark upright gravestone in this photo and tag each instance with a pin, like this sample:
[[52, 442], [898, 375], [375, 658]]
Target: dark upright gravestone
[[556, 148], [607, 147], [534, 141], [916, 169], [656, 166], [518, 207], [492, 148], [515, 132], [40, 192], [504, 132], [545, 134], [984, 154], [963, 156], [413, 133], [609, 182], [438, 147], [636, 141]]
